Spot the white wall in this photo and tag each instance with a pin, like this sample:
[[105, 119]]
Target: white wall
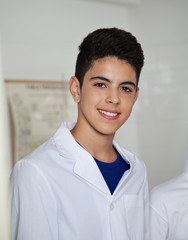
[[40, 40], [161, 114], [5, 162]]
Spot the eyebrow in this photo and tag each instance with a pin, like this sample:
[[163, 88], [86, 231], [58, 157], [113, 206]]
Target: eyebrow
[[107, 80]]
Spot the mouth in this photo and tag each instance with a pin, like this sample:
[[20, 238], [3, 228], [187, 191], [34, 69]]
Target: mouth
[[109, 114]]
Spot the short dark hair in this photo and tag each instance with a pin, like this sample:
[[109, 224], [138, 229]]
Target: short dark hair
[[108, 42]]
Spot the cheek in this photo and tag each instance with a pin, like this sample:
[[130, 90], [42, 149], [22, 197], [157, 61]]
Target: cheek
[[128, 101], [91, 97]]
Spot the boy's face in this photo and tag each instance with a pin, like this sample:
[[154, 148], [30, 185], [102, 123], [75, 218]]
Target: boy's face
[[107, 96]]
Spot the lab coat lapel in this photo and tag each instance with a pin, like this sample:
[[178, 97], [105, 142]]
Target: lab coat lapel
[[130, 159], [87, 169], [85, 166]]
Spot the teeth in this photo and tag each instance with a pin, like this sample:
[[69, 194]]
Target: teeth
[[108, 113]]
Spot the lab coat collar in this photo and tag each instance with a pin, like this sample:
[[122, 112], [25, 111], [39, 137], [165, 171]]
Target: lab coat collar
[[130, 159], [85, 166]]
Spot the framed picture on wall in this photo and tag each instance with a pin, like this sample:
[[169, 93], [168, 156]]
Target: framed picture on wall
[[37, 108]]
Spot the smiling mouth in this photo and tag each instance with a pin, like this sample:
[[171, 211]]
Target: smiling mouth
[[110, 114]]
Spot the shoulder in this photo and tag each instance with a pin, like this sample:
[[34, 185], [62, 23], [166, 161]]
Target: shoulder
[[165, 196], [166, 190], [130, 157], [138, 171], [33, 166], [28, 181], [26, 173], [41, 157], [158, 195]]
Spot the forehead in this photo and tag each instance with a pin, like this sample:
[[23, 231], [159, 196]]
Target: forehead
[[112, 67]]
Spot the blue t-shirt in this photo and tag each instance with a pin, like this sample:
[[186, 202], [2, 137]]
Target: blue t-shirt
[[112, 172]]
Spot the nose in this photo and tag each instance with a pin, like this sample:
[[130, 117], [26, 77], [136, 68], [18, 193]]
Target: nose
[[113, 97]]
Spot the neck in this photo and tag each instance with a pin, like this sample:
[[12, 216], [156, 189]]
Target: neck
[[97, 144]]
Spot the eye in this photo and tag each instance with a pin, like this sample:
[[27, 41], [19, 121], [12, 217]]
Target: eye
[[99, 85], [126, 89]]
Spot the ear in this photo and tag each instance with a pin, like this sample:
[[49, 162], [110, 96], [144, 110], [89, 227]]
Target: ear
[[136, 94], [74, 87]]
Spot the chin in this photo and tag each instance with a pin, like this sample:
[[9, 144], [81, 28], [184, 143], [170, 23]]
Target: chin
[[107, 131]]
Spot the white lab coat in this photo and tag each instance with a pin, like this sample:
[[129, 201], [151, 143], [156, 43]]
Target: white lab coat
[[169, 209], [59, 193]]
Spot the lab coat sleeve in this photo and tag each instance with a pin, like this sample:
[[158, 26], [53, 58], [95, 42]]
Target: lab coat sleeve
[[158, 221], [34, 210]]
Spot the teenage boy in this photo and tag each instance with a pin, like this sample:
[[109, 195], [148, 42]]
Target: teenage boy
[[81, 184]]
